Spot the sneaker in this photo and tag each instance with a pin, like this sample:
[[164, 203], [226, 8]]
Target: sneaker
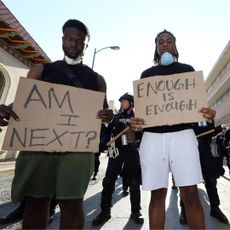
[[137, 218], [219, 215], [183, 217], [101, 218]]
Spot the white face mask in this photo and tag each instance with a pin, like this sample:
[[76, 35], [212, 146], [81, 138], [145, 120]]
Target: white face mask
[[166, 59], [71, 61]]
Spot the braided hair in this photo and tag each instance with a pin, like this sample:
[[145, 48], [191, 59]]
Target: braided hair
[[156, 54]]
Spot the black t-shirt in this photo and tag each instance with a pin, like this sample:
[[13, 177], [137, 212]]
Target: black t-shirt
[[174, 68]]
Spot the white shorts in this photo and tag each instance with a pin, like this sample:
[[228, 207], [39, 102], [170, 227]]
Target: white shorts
[[176, 152]]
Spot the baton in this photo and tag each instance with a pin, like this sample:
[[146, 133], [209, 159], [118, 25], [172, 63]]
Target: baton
[[205, 133], [212, 130], [127, 129], [118, 135], [225, 125]]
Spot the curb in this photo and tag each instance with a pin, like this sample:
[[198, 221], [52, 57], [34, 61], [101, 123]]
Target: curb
[[7, 167]]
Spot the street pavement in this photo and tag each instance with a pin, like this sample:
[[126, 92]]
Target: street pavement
[[6, 167], [121, 205]]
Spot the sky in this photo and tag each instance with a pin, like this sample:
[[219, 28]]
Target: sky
[[201, 28]]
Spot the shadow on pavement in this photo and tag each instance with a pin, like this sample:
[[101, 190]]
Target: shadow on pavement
[[210, 222], [92, 205], [226, 178], [5, 209]]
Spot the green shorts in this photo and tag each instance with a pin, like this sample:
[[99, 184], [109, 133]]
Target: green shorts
[[42, 174]]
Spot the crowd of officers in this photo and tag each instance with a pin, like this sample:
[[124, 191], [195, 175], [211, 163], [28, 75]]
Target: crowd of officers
[[123, 160]]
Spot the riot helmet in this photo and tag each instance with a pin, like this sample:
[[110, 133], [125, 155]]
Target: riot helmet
[[127, 97]]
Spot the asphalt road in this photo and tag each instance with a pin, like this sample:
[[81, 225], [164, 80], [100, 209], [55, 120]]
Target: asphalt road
[[121, 205]]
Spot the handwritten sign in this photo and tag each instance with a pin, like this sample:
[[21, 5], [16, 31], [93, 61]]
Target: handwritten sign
[[170, 99], [54, 117]]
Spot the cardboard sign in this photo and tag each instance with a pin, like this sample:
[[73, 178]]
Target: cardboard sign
[[54, 117], [171, 99]]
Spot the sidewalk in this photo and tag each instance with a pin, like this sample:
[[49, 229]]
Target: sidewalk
[[121, 205], [6, 167]]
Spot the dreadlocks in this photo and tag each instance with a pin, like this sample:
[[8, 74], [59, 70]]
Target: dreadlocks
[[156, 54]]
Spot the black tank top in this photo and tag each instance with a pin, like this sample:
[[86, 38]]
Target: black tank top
[[79, 75]]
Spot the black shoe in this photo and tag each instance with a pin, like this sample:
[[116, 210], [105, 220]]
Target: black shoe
[[183, 217], [14, 216], [219, 215], [137, 218], [101, 218]]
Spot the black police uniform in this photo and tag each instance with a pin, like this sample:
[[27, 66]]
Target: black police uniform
[[211, 171], [222, 150], [227, 139], [128, 155]]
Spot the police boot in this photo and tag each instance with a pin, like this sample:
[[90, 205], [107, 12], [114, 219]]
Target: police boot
[[106, 201], [219, 215], [135, 199], [101, 218], [137, 217]]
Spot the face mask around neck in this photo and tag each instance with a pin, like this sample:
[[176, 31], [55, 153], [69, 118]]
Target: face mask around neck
[[166, 59], [71, 61]]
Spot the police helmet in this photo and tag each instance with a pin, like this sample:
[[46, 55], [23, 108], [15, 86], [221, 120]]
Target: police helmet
[[127, 97]]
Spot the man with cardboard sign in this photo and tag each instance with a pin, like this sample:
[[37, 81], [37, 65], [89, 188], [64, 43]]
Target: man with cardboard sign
[[173, 99], [169, 143], [39, 175], [54, 117]]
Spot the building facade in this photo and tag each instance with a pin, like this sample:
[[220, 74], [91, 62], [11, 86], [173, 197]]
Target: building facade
[[18, 52], [218, 87]]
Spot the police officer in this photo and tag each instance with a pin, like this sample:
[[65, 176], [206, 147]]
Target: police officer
[[221, 150], [227, 138], [210, 170], [123, 151]]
